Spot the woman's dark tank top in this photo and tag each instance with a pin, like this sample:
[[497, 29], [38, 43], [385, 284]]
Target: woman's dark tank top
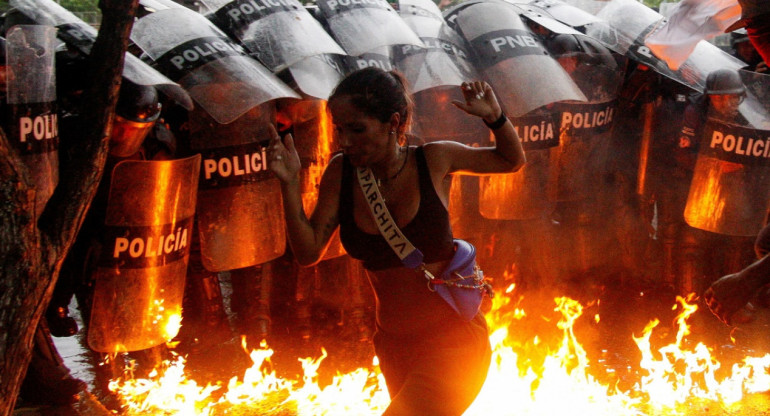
[[429, 230]]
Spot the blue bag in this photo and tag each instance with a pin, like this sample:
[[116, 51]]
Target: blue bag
[[462, 283]]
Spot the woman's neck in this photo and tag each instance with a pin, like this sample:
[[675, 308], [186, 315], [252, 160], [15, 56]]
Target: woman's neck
[[392, 168]]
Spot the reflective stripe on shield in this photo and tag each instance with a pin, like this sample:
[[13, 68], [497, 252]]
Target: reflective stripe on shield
[[214, 70], [526, 194], [140, 279], [512, 59], [81, 36], [279, 33], [378, 58], [240, 210], [729, 192], [361, 26], [32, 118]]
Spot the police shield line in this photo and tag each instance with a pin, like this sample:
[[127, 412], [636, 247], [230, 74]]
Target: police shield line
[[171, 229], [32, 115]]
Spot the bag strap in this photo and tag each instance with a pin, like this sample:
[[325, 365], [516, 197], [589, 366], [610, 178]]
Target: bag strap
[[410, 255]]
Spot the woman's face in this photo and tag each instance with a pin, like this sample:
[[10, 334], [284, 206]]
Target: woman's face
[[363, 138]]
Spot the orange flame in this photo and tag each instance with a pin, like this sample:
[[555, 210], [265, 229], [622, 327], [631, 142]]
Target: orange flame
[[526, 377]]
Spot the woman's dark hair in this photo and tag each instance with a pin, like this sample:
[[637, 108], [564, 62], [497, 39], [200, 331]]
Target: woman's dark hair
[[377, 93]]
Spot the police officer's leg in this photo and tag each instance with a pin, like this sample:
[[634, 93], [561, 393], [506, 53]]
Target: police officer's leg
[[250, 299], [204, 321]]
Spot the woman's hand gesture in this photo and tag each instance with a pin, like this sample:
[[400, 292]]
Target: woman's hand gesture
[[480, 100], [282, 158]]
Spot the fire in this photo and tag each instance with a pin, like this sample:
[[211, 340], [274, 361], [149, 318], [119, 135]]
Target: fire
[[707, 199], [527, 376], [319, 154], [681, 374]]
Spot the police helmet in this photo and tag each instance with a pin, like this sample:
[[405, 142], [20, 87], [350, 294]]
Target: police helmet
[[724, 81], [137, 103], [13, 17], [135, 115], [563, 44]]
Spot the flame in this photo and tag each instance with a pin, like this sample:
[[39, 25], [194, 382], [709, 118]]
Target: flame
[[500, 194], [707, 199], [527, 376], [681, 374], [320, 156]]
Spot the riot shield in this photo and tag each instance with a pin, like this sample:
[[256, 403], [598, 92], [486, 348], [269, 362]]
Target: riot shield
[[436, 118], [362, 26], [378, 57], [511, 58], [443, 61], [240, 210], [278, 33], [312, 130], [32, 117], [528, 193], [434, 73], [625, 25], [140, 278], [585, 128], [214, 70], [729, 192], [81, 36], [318, 75]]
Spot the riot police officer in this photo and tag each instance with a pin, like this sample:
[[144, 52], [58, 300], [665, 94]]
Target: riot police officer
[[723, 93], [136, 113]]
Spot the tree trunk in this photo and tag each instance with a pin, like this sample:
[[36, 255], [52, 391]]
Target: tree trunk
[[31, 254]]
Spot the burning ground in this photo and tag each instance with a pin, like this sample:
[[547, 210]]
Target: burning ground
[[613, 351]]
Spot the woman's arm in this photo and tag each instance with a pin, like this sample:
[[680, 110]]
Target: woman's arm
[[506, 156], [308, 238]]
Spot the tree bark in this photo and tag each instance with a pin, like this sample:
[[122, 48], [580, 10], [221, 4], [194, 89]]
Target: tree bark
[[31, 254]]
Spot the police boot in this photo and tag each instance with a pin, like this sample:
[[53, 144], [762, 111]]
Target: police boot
[[692, 273], [204, 322], [669, 238], [250, 300]]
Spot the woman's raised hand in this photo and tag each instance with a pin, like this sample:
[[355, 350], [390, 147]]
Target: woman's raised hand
[[480, 100], [282, 157]]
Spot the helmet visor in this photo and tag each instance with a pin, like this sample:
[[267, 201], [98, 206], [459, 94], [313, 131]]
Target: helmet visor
[[127, 136]]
